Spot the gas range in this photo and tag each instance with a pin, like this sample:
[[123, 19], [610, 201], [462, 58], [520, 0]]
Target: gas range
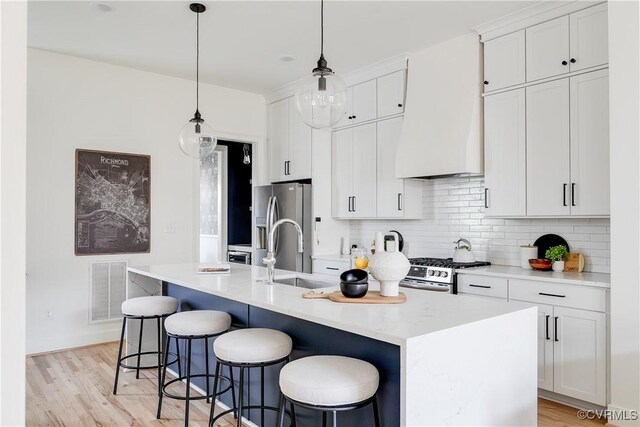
[[436, 274]]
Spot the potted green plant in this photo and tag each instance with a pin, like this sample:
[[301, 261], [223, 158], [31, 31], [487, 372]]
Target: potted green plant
[[557, 255]]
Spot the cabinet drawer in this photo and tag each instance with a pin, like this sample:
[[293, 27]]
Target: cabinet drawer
[[558, 294], [329, 267], [482, 285]]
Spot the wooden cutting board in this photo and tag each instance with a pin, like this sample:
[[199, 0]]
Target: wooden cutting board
[[372, 297], [575, 263]]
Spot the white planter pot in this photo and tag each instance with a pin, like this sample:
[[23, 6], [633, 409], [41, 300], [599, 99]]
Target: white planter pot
[[557, 266]]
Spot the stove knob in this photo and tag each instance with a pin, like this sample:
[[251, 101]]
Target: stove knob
[[430, 272], [437, 273], [445, 274]]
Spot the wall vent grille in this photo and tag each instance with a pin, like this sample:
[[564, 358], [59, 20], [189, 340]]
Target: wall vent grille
[[107, 290]]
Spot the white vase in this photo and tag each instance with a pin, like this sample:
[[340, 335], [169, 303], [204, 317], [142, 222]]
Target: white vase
[[557, 266], [388, 268]]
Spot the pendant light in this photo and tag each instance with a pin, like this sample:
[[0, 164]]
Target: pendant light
[[321, 98], [246, 159], [196, 137]]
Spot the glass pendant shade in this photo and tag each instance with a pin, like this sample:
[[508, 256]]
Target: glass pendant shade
[[321, 99], [197, 139]]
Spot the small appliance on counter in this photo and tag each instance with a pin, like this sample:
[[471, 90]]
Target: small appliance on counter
[[527, 253], [462, 253]]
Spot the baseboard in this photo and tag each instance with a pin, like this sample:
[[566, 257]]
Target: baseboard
[[49, 345], [616, 411], [569, 401]]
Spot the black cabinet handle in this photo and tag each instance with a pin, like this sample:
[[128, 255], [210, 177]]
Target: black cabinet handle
[[354, 203], [546, 327], [285, 168], [564, 62], [551, 295], [336, 269], [399, 201], [564, 194], [349, 205], [486, 198], [350, 117], [480, 286], [354, 117], [573, 194], [555, 329], [400, 105], [573, 60], [486, 82]]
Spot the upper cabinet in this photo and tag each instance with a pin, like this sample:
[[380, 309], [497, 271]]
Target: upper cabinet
[[504, 59], [553, 48], [391, 91], [361, 104], [289, 143]]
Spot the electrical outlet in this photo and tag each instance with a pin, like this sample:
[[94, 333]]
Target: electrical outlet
[[170, 227], [49, 314]]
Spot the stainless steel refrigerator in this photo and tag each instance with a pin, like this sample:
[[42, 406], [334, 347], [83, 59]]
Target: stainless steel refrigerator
[[277, 201]]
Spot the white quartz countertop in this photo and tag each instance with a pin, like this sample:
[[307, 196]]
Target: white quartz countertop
[[423, 313], [600, 280]]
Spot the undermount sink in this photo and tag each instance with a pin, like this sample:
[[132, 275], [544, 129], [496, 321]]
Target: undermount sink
[[303, 282]]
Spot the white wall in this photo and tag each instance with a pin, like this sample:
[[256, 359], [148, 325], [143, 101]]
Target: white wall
[[13, 138], [453, 208], [77, 103], [624, 100]]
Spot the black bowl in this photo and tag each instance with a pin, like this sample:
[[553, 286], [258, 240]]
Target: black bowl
[[354, 276], [354, 290]]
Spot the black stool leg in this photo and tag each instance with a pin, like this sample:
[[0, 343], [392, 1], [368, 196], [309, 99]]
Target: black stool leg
[[139, 348], [324, 419], [262, 395], [240, 397], [186, 408], [159, 353], [115, 383], [233, 392], [215, 391], [281, 412], [206, 364], [179, 358], [164, 375], [335, 418], [376, 413], [293, 414]]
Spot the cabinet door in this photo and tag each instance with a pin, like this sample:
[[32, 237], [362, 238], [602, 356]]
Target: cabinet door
[[580, 354], [504, 59], [278, 139], [589, 40], [347, 118], [364, 171], [548, 49], [299, 145], [342, 173], [590, 143], [545, 347], [390, 197], [548, 148], [505, 154], [364, 102], [391, 90]]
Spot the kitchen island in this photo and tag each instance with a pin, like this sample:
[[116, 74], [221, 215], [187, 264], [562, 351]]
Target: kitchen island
[[443, 359]]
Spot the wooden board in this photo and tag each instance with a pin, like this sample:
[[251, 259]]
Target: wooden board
[[372, 297], [575, 263]]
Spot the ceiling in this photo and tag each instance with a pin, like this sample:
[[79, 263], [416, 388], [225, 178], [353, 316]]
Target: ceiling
[[242, 41]]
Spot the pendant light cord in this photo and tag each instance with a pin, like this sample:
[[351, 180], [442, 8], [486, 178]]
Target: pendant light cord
[[321, 27], [197, 61]]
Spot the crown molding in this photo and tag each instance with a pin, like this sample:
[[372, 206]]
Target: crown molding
[[529, 16], [369, 72]]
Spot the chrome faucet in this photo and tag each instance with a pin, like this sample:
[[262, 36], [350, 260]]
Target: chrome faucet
[[270, 260]]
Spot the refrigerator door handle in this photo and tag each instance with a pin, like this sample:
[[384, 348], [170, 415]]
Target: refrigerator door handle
[[269, 215], [275, 213]]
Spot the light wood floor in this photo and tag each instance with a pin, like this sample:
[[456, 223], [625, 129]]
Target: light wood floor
[[73, 388]]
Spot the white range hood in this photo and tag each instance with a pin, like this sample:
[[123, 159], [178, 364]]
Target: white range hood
[[442, 127]]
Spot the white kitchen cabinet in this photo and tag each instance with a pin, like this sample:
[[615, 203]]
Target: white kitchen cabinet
[[390, 93], [396, 198], [548, 49], [545, 347], [504, 61], [353, 153], [289, 143], [588, 38], [361, 103], [579, 356], [548, 154], [590, 143], [505, 154]]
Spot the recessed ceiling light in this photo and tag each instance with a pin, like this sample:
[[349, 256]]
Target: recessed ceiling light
[[101, 7], [287, 58]]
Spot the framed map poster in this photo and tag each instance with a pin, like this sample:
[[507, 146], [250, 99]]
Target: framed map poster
[[112, 214]]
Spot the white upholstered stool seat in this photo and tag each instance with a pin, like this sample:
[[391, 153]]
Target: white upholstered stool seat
[[253, 345], [197, 323], [329, 380], [149, 306]]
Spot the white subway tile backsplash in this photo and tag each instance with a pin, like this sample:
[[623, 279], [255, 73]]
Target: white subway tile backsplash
[[453, 208]]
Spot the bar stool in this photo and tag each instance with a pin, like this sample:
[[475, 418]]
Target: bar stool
[[329, 384], [144, 308], [246, 349], [189, 326]]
